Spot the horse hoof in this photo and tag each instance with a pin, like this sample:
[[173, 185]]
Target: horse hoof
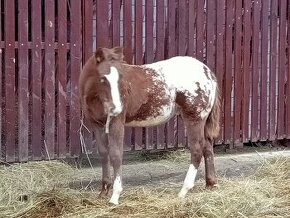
[[102, 195], [114, 202], [210, 187]]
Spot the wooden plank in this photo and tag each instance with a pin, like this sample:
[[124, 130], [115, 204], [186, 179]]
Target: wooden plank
[[128, 54], [149, 58], [273, 68], [128, 31], [61, 76], [181, 27], [87, 16], [36, 80], [23, 81], [288, 86], [264, 70], [75, 70], [210, 34], [200, 19], [191, 27], [281, 70], [247, 68], [102, 29], [10, 106], [138, 55], [87, 28], [228, 71], [238, 88], [49, 80], [181, 137], [220, 60], [2, 146], [171, 134], [255, 71], [160, 42], [116, 6]]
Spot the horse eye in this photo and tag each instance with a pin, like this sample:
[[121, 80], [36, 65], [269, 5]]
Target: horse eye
[[102, 80]]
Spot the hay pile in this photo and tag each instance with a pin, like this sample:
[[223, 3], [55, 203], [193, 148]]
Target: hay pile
[[45, 185]]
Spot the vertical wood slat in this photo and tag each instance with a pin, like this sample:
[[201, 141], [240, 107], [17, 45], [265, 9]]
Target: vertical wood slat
[[273, 66], [128, 53], [138, 52], [281, 70], [23, 80], [238, 88], [87, 15], [116, 5], [288, 84], [200, 19], [49, 142], [62, 75], [75, 70], [191, 27], [220, 53], [247, 69], [149, 57], [210, 34], [181, 137], [10, 107], [36, 79], [102, 28], [264, 69], [87, 18], [228, 71], [255, 71], [2, 149], [160, 32], [128, 31], [171, 138]]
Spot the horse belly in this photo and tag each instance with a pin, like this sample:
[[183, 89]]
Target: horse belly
[[165, 113]]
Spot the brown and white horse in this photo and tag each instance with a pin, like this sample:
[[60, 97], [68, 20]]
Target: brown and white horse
[[114, 94]]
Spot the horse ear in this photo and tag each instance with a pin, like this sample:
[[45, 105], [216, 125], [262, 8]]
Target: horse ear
[[118, 53], [99, 55]]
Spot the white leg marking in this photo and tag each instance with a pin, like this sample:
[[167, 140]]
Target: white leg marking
[[117, 189], [113, 78], [188, 181]]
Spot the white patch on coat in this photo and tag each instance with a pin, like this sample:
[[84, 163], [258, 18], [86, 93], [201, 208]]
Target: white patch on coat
[[117, 189], [188, 181], [113, 78], [186, 74]]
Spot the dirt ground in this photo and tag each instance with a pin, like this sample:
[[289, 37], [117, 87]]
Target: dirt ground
[[154, 169]]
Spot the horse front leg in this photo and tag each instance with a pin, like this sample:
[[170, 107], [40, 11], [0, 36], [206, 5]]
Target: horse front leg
[[103, 149], [116, 137]]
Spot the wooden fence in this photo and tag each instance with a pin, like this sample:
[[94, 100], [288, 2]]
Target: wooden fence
[[41, 60], [45, 42]]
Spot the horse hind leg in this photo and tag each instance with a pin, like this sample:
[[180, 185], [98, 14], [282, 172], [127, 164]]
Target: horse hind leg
[[196, 144], [210, 175]]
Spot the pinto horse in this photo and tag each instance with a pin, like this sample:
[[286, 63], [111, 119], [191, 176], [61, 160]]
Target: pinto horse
[[114, 94]]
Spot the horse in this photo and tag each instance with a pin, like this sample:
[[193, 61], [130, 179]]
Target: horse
[[114, 94]]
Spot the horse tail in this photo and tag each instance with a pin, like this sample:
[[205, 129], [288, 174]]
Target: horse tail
[[212, 125]]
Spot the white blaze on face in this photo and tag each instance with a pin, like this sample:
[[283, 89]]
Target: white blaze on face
[[188, 181], [113, 78], [117, 189]]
